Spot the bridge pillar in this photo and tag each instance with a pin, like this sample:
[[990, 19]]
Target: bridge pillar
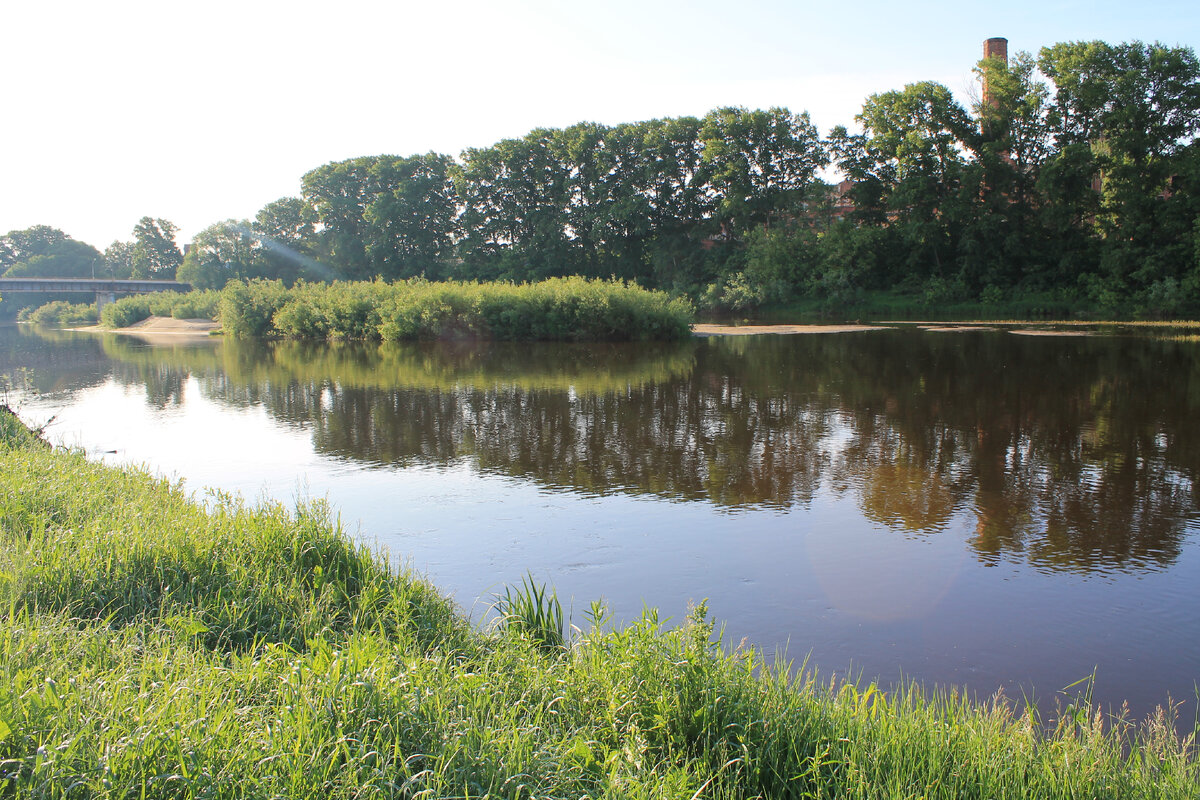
[[103, 299]]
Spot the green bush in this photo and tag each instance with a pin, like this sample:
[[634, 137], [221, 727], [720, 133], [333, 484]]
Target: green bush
[[247, 307], [196, 305], [133, 309], [562, 309], [126, 311], [60, 312]]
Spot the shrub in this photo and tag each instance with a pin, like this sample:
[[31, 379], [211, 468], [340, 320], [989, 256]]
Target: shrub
[[562, 309], [247, 307], [126, 311], [60, 312]]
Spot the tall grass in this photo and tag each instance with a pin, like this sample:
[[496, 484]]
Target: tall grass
[[151, 647], [533, 610], [562, 309]]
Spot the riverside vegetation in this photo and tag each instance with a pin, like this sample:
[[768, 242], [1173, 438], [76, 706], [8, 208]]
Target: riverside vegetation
[[152, 645], [1072, 189], [570, 309]]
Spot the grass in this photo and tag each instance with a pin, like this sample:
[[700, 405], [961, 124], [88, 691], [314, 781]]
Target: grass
[[151, 646], [559, 309]]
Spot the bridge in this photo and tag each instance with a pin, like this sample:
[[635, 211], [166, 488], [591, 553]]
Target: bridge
[[106, 291]]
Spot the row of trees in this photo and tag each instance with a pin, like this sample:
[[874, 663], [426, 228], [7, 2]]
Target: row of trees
[[647, 201], [42, 251], [1080, 175]]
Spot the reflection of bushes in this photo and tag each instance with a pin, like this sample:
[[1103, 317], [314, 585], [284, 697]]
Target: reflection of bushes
[[432, 365]]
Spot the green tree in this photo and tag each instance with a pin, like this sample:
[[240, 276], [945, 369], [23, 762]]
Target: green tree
[[1004, 240], [287, 232], [155, 254], [45, 252], [914, 147], [762, 163], [20, 245], [515, 196], [384, 215], [118, 260], [222, 252], [1136, 109]]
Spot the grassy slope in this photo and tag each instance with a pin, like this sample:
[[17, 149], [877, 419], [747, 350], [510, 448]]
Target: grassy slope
[[150, 646]]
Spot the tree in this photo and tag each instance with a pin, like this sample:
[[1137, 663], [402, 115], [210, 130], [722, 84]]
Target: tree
[[913, 150], [155, 254], [1135, 109], [20, 245], [515, 196], [384, 215], [1004, 240], [287, 232], [45, 252], [118, 260], [761, 163], [288, 221], [222, 252]]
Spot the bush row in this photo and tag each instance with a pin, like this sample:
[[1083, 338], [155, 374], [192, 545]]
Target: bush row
[[135, 308], [60, 312], [561, 309]]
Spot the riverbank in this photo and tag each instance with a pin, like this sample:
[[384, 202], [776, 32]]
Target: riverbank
[[155, 329], [149, 644]]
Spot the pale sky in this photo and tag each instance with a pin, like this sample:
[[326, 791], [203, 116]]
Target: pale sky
[[199, 112]]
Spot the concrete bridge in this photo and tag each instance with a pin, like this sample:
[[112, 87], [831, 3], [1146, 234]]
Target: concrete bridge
[[106, 291]]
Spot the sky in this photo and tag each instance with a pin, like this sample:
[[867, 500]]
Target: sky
[[205, 111]]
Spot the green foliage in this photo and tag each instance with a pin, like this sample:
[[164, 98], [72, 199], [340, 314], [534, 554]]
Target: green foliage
[[384, 215], [126, 311], [154, 254], [45, 252], [532, 610], [247, 308], [568, 309], [133, 309], [60, 312], [150, 646], [1079, 174]]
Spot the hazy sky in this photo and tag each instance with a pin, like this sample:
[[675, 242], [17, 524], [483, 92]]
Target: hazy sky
[[204, 111]]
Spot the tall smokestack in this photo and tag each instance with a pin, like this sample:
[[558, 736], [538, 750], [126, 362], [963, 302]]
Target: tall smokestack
[[996, 47]]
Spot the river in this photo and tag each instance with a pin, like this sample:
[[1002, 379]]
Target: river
[[974, 508]]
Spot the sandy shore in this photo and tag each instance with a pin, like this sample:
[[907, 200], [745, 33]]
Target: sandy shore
[[166, 328], [706, 329]]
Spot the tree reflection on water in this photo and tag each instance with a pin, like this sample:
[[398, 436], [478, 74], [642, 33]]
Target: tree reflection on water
[[1074, 454]]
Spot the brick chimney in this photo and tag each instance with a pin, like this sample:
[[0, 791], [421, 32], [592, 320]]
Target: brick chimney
[[996, 47]]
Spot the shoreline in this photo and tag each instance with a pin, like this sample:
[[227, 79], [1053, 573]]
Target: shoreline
[[259, 640]]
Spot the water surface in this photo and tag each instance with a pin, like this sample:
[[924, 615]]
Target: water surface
[[973, 508]]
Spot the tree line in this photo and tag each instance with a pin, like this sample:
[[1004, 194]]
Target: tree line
[[1077, 178]]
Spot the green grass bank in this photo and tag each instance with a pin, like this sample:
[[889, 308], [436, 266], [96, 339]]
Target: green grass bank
[[153, 646], [558, 309]]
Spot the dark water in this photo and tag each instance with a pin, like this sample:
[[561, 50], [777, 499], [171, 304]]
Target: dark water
[[977, 508]]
